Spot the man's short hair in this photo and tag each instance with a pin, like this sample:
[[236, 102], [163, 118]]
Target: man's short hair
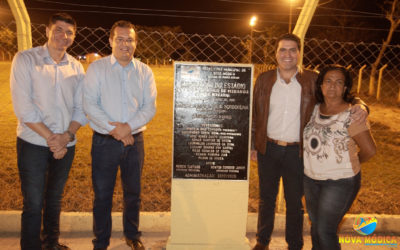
[[62, 17], [121, 24], [288, 36]]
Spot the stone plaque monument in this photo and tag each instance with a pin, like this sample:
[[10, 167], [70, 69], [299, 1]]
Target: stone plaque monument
[[209, 193]]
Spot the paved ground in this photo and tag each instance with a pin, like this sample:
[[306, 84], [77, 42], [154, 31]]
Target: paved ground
[[157, 241]]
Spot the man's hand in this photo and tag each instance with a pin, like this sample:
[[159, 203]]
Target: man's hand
[[358, 114], [60, 154], [129, 140], [56, 142], [120, 131]]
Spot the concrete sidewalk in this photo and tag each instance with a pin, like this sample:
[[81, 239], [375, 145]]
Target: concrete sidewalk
[[76, 231], [158, 241], [160, 222], [152, 241]]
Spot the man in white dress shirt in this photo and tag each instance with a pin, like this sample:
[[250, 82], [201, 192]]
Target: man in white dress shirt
[[46, 88], [119, 99]]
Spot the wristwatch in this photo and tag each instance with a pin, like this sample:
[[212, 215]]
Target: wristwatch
[[71, 136]]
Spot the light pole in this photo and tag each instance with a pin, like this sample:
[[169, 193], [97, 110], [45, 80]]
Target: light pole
[[252, 23]]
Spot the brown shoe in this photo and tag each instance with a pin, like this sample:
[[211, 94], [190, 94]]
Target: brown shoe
[[135, 244], [260, 246]]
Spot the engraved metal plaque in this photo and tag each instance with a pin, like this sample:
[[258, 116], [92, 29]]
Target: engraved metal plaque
[[212, 107]]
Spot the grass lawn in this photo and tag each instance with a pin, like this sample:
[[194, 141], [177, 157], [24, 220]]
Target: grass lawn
[[380, 177]]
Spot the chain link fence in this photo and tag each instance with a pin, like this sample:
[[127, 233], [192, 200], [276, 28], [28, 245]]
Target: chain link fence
[[160, 50], [155, 48]]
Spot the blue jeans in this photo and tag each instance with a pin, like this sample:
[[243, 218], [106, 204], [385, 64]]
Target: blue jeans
[[327, 202], [107, 155], [277, 162], [42, 183]]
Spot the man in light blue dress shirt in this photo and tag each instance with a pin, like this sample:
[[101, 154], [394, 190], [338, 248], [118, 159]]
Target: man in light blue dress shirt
[[46, 88], [119, 99]]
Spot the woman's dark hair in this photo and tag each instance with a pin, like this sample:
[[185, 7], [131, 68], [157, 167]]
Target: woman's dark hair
[[348, 82]]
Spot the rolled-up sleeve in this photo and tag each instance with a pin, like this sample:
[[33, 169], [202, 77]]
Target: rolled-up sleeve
[[147, 109], [21, 90]]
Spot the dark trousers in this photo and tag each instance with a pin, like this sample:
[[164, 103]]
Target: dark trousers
[[42, 183], [277, 162], [107, 155], [327, 202]]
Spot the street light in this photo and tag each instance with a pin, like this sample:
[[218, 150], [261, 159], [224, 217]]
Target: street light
[[252, 23], [290, 15]]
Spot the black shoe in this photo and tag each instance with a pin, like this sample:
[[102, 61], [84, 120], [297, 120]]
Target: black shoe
[[56, 246], [135, 244]]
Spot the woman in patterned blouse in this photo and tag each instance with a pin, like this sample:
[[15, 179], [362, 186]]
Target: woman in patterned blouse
[[334, 147]]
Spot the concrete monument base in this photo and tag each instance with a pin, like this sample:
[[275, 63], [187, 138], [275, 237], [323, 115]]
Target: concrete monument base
[[208, 214]]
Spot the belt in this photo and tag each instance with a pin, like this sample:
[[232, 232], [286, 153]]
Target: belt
[[110, 136], [282, 143]]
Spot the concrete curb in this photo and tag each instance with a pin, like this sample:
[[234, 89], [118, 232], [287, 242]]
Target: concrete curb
[[160, 222]]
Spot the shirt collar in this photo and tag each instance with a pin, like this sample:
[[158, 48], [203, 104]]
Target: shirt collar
[[114, 62], [293, 78], [44, 52]]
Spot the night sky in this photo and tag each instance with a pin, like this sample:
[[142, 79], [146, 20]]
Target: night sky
[[229, 17]]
